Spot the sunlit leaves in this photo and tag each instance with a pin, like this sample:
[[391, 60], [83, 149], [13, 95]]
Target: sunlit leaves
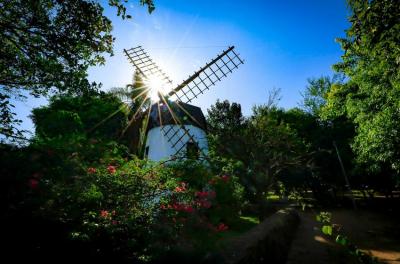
[[371, 95]]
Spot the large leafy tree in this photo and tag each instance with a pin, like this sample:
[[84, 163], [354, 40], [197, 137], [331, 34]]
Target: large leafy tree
[[135, 95], [273, 148], [314, 96], [371, 97], [226, 125], [48, 45], [99, 115]]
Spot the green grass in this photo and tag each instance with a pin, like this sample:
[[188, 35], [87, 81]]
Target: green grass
[[244, 223], [271, 196], [251, 219]]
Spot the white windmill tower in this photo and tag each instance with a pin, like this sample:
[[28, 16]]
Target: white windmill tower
[[175, 128]]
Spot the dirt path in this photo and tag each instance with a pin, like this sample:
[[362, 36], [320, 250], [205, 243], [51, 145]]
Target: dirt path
[[372, 232], [310, 246], [375, 233]]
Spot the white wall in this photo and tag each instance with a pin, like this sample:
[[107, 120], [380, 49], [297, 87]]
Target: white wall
[[161, 149]]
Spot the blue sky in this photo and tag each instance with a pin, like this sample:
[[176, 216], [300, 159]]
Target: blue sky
[[282, 42]]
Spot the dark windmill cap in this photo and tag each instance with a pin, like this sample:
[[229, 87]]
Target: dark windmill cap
[[186, 114]]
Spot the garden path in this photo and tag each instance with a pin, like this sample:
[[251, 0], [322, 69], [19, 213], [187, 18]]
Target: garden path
[[372, 232]]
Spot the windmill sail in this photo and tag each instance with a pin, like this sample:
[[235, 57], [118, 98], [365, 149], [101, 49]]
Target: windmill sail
[[207, 76], [145, 65], [195, 85]]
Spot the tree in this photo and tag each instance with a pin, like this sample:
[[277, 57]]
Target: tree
[[136, 96], [225, 126], [314, 97], [273, 147], [48, 45], [371, 96], [96, 116]]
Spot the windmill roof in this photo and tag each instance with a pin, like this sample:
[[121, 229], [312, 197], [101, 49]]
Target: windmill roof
[[186, 114]]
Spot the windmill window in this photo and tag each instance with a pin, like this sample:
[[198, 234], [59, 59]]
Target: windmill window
[[146, 152], [192, 150]]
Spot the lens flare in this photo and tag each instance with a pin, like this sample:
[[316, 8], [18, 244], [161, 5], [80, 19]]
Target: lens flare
[[156, 86]]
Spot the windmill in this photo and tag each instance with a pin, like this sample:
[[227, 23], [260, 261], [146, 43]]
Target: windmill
[[174, 128]]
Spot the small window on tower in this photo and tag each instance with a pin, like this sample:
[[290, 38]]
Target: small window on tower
[[192, 150], [146, 152]]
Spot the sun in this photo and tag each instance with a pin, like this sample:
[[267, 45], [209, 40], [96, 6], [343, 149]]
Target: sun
[[157, 85]]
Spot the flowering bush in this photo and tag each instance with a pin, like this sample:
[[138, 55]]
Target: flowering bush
[[201, 206], [111, 204]]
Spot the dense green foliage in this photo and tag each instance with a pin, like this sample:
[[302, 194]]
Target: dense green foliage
[[47, 46], [97, 202], [99, 115], [84, 192], [371, 96]]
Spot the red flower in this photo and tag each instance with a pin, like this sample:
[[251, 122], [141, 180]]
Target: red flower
[[181, 188], [91, 170], [104, 213], [225, 178], [222, 227], [203, 204], [111, 169], [205, 194], [180, 207], [188, 209], [33, 183], [202, 194]]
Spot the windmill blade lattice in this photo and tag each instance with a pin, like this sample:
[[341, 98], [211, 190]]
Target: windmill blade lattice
[[195, 85], [178, 137], [145, 65], [207, 76]]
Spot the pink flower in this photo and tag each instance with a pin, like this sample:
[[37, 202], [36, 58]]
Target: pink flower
[[114, 222], [188, 209], [222, 227], [203, 195], [181, 188], [91, 170], [225, 178], [33, 183], [111, 169], [104, 213], [203, 204]]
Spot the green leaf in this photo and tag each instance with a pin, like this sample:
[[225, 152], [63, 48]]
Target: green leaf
[[327, 230], [342, 240]]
